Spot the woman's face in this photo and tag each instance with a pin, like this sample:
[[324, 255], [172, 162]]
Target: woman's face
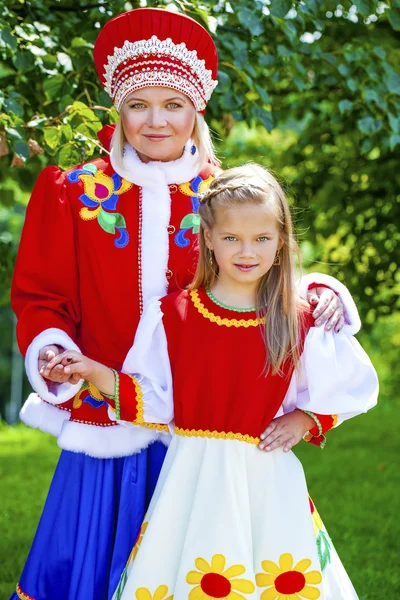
[[157, 122]]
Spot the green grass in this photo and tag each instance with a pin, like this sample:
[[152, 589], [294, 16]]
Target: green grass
[[354, 483]]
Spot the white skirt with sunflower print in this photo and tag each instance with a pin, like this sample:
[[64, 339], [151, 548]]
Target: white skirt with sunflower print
[[229, 521]]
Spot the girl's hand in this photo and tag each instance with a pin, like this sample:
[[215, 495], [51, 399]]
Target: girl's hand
[[75, 364], [57, 374], [69, 365], [286, 431], [328, 308]]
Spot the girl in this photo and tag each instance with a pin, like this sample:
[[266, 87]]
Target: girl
[[235, 355]]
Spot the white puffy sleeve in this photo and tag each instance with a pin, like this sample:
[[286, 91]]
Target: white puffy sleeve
[[350, 311], [336, 381], [143, 391]]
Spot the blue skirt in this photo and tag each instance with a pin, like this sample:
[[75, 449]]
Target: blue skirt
[[89, 524]]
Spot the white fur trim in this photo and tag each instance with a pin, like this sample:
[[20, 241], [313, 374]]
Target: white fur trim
[[154, 178], [107, 442], [157, 173], [63, 391], [40, 415], [352, 318]]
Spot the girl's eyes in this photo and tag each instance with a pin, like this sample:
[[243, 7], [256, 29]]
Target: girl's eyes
[[137, 105], [231, 238], [173, 105]]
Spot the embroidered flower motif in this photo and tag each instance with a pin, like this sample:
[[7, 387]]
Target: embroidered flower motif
[[213, 582], [191, 221], [160, 593], [285, 582], [101, 194], [139, 539], [88, 394], [124, 575], [324, 543]]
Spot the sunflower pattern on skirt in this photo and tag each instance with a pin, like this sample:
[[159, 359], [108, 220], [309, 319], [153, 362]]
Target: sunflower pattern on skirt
[[159, 594], [212, 581], [285, 582]]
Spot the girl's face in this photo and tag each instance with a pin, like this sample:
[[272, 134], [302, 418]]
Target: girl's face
[[245, 240], [158, 122]]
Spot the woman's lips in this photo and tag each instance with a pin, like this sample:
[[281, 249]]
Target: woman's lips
[[246, 268], [156, 138]]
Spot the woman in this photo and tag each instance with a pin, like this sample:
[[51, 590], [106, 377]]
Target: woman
[[99, 241]]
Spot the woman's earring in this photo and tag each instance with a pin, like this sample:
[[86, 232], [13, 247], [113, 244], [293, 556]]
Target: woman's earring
[[277, 260], [210, 259], [193, 149]]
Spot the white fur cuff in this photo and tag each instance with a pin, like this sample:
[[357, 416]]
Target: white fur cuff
[[63, 391]]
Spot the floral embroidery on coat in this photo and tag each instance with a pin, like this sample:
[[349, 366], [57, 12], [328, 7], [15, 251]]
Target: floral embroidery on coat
[[101, 196], [191, 221]]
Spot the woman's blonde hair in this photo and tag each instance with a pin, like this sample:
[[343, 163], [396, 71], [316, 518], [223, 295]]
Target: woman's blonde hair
[[277, 301], [201, 138]]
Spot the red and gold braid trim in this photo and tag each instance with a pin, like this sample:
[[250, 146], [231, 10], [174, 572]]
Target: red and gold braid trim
[[219, 320], [132, 403], [22, 594], [219, 435]]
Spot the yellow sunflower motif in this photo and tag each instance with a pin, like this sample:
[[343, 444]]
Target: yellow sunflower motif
[[135, 548], [285, 582], [160, 594], [213, 582]]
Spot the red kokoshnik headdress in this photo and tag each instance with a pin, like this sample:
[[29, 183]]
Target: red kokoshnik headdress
[[155, 47]]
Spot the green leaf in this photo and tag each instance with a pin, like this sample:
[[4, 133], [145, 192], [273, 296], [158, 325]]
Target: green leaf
[[68, 156], [13, 134], [280, 8], [251, 20], [344, 70], [380, 52], [23, 61], [369, 125], [266, 59], [52, 86], [283, 50], [263, 94], [11, 105], [67, 132], [5, 70], [394, 18], [394, 141], [52, 137], [37, 122], [22, 149], [362, 7], [345, 105], [7, 39], [107, 221], [264, 116], [371, 96], [224, 81], [394, 123], [392, 81]]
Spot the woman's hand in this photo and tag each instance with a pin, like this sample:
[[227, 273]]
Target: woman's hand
[[328, 308], [286, 431], [76, 365], [57, 374]]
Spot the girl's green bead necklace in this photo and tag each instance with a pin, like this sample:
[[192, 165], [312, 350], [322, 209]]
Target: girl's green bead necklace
[[233, 308]]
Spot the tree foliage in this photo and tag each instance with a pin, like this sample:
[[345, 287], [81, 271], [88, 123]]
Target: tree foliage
[[327, 71]]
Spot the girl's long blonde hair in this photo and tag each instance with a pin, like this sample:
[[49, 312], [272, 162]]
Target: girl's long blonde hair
[[201, 138], [277, 299]]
